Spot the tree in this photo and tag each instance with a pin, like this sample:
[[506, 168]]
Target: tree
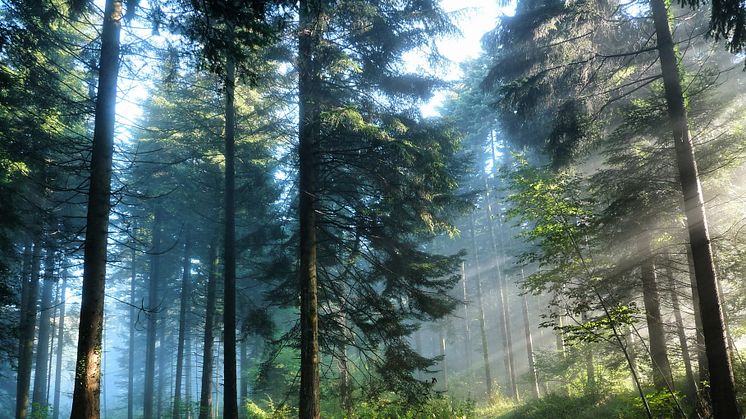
[[88, 370], [720, 368]]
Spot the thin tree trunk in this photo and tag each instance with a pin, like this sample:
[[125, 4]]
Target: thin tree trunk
[[53, 331], [26, 329], [533, 374], [186, 293], [154, 308], [504, 317], [310, 21], [480, 304], [131, 349], [681, 333], [444, 361], [704, 375], [60, 348], [662, 378], [467, 326], [39, 399], [205, 401], [244, 389], [88, 365], [590, 367], [230, 391], [722, 384]]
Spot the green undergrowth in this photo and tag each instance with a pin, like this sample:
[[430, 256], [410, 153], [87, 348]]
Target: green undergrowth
[[587, 406]]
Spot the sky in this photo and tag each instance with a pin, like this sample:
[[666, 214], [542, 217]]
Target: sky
[[474, 18]]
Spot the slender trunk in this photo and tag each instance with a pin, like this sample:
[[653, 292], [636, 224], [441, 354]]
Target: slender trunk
[[722, 384], [732, 351], [26, 329], [444, 361], [662, 378], [691, 383], [503, 316], [704, 375], [590, 366], [88, 365], [60, 348], [467, 328], [188, 370], [629, 345], [310, 21], [163, 366], [154, 308], [186, 293], [532, 373], [230, 391], [131, 349], [39, 399], [480, 304], [205, 401], [53, 331], [244, 389], [345, 387]]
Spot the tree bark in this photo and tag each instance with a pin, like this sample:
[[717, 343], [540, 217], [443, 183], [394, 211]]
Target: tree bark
[[662, 378], [26, 329], [691, 383], [60, 348], [467, 321], [533, 374], [504, 317], [310, 30], [186, 293], [444, 361], [154, 308], [41, 377], [704, 375], [243, 392], [480, 305], [131, 349], [205, 401], [722, 384], [230, 390], [88, 365]]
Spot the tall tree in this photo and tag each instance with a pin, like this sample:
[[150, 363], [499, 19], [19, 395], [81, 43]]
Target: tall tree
[[722, 383], [88, 365], [311, 26]]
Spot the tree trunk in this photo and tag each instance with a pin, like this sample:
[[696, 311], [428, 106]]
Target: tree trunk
[[230, 391], [662, 378], [88, 365], [310, 21], [205, 401], [532, 373], [590, 367], [467, 327], [704, 375], [26, 330], [504, 317], [186, 294], [60, 348], [132, 320], [163, 366], [444, 361], [722, 385], [39, 399], [153, 308], [691, 383], [480, 304], [243, 392]]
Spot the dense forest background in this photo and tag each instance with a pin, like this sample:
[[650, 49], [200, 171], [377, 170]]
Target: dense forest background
[[259, 209]]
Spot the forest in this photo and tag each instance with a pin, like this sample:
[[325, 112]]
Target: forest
[[332, 209]]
